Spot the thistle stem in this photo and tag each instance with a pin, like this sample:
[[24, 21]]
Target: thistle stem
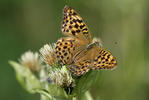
[[88, 96]]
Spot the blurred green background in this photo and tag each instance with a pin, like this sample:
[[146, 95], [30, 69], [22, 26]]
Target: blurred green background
[[122, 25]]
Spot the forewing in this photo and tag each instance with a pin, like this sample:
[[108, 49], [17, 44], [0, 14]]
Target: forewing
[[73, 25]]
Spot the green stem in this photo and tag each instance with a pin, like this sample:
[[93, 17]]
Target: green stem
[[74, 98], [70, 98], [88, 96]]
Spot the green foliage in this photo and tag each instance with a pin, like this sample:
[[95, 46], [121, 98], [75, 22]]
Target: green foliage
[[25, 77], [122, 25], [33, 85], [48, 91], [85, 82]]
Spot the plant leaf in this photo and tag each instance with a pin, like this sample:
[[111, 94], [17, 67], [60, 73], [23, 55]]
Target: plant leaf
[[84, 82], [32, 84], [25, 77]]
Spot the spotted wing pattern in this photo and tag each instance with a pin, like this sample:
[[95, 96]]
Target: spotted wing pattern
[[83, 61], [64, 50], [103, 60], [78, 50], [79, 68], [95, 58], [74, 26]]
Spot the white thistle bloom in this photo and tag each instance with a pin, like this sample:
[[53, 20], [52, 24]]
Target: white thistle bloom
[[48, 54], [31, 60], [61, 77]]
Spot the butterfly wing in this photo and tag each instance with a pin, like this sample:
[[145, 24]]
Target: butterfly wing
[[93, 57], [82, 62], [64, 50], [103, 60], [80, 67], [67, 48], [77, 50], [74, 26]]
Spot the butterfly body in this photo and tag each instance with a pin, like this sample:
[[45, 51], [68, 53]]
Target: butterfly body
[[78, 49]]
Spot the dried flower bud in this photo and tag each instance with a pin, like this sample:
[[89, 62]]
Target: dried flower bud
[[31, 60], [61, 77], [48, 54]]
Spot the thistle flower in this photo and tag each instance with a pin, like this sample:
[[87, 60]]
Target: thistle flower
[[31, 60], [61, 77], [48, 54]]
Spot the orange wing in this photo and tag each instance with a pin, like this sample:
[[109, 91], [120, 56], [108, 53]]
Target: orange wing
[[92, 57], [74, 26]]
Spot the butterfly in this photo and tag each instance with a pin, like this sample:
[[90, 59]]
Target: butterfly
[[78, 50]]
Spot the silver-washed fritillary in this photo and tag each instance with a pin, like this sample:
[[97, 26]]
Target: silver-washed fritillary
[[78, 50]]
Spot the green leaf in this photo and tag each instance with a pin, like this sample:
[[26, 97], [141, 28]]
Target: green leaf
[[49, 95], [84, 82], [31, 83], [25, 77], [86, 96], [43, 97], [44, 93], [54, 90]]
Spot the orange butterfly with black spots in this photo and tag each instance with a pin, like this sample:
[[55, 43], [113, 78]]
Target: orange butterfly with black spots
[[78, 50]]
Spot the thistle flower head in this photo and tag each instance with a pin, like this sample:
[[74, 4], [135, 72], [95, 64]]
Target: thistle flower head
[[31, 60], [48, 54], [61, 77]]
